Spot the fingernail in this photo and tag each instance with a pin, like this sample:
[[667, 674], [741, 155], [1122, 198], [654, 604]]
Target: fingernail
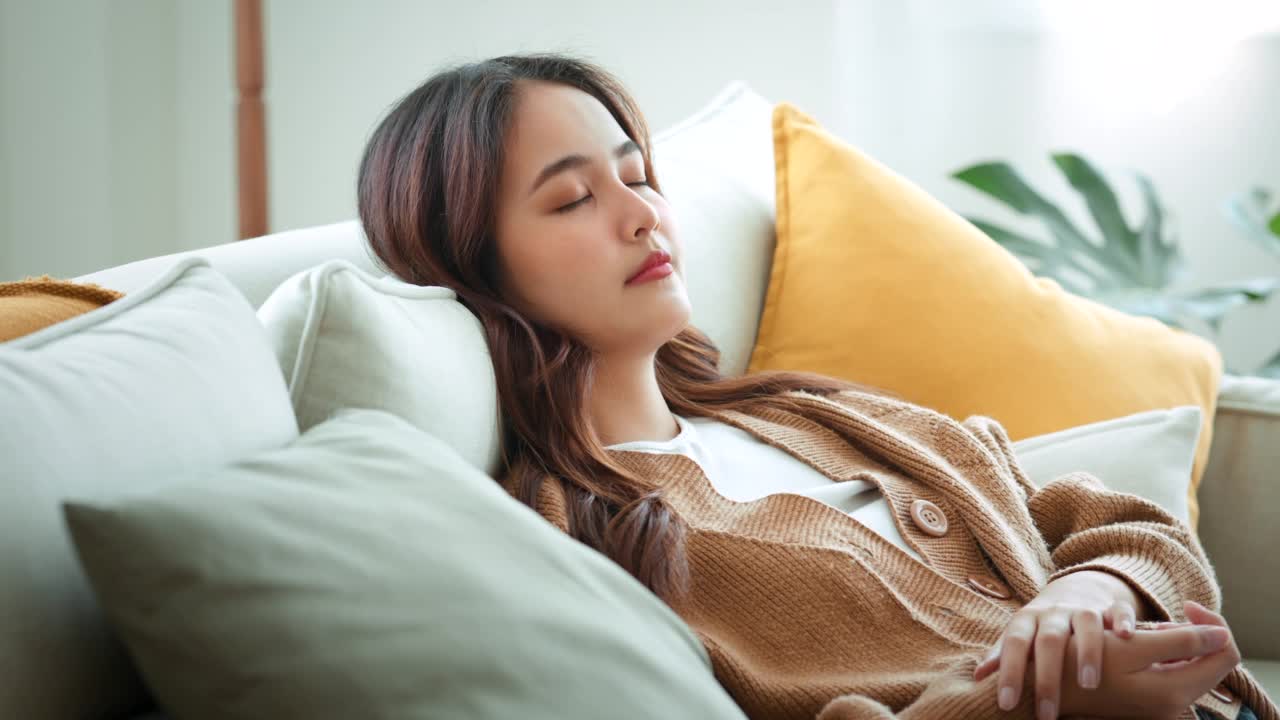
[[1126, 627], [1215, 638], [1008, 698], [1047, 710], [1089, 677]]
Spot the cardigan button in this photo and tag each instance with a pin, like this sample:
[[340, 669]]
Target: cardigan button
[[1222, 693], [990, 587], [929, 518]]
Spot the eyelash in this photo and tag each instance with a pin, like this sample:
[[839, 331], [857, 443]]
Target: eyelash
[[584, 198]]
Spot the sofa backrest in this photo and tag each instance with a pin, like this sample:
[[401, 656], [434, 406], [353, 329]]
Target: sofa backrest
[[716, 169]]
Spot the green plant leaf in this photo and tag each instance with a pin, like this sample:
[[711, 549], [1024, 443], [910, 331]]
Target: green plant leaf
[[1003, 183], [1158, 255], [1270, 368], [1212, 304], [1047, 260], [1131, 269], [1144, 302], [1209, 305], [1119, 242], [1251, 212]]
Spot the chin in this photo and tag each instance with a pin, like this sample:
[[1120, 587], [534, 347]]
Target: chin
[[679, 320]]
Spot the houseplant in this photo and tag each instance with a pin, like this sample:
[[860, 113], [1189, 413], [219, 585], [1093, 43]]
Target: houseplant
[[1257, 213], [1133, 269]]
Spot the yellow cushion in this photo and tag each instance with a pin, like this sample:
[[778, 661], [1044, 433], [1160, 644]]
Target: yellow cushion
[[31, 304], [875, 281]]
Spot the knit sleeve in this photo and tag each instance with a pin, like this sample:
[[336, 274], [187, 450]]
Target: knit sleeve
[[1088, 527]]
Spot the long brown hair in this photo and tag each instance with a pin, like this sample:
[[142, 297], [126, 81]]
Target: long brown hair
[[427, 190]]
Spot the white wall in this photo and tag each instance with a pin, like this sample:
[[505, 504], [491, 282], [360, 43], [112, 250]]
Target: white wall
[[205, 150], [54, 134], [335, 67], [117, 118], [86, 134], [928, 88]]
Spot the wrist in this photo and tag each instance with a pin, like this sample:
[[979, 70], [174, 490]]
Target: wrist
[[1121, 591]]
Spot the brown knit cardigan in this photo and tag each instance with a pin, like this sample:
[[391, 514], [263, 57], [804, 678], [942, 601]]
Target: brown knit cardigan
[[806, 613]]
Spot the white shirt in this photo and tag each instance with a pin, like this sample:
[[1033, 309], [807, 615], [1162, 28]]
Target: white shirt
[[742, 468]]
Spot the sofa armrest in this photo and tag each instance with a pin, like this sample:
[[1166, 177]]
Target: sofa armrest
[[1240, 510]]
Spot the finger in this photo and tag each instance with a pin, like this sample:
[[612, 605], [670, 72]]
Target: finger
[[1202, 615], [1013, 659], [1123, 619], [988, 664], [1166, 626], [1155, 646], [1087, 627], [1191, 678], [1051, 646]]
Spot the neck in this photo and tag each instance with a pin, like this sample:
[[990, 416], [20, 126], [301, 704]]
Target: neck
[[626, 404]]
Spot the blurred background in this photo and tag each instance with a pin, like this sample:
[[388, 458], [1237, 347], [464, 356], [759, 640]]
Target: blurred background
[[118, 126]]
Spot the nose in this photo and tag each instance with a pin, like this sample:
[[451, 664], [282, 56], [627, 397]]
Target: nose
[[643, 217]]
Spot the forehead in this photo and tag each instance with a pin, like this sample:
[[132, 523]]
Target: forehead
[[552, 120]]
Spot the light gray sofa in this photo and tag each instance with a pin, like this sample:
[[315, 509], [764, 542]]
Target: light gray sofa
[[717, 169], [1240, 492]]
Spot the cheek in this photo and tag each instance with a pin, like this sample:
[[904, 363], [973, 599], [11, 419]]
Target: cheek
[[560, 269]]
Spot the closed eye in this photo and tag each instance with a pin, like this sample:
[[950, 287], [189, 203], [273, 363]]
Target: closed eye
[[584, 198], [574, 204]]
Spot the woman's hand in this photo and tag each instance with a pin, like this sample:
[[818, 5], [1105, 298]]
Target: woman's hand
[[1157, 673], [1078, 607]]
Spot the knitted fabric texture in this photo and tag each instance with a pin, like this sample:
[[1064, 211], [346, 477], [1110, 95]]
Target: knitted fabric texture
[[34, 303], [806, 613]]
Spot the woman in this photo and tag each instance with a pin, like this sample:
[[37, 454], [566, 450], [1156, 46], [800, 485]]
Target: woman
[[840, 553]]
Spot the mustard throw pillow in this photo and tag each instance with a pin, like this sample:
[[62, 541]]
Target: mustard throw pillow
[[875, 281], [35, 303]]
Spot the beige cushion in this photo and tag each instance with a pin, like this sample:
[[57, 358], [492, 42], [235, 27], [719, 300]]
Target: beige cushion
[[1240, 500], [169, 380], [368, 571], [348, 339], [1148, 454]]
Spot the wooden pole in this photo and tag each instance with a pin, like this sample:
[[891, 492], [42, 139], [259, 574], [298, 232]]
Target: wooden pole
[[251, 114]]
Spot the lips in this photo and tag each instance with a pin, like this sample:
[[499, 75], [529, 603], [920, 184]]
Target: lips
[[656, 258]]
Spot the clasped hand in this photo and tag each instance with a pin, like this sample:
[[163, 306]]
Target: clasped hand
[[1078, 638]]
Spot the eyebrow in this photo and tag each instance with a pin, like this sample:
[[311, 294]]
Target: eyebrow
[[568, 162]]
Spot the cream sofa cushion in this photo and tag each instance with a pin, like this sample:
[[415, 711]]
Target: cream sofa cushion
[[366, 570], [173, 378], [348, 339], [1148, 454]]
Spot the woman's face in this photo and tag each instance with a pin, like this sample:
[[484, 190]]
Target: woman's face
[[576, 220]]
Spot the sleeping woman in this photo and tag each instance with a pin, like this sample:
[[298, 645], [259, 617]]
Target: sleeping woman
[[840, 553]]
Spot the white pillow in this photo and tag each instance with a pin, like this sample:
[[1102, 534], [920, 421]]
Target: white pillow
[[367, 571], [716, 169], [169, 380], [1148, 454], [346, 338]]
